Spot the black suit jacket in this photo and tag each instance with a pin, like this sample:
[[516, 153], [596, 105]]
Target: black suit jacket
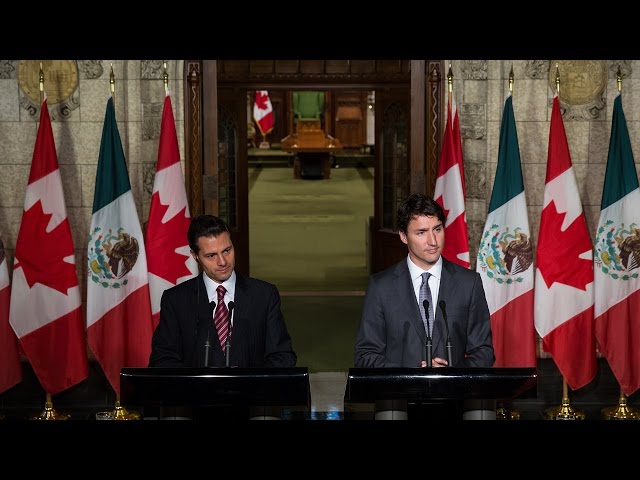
[[391, 331], [259, 336]]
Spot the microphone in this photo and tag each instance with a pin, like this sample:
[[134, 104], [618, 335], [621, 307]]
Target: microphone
[[227, 345], [446, 326], [207, 343], [425, 304]]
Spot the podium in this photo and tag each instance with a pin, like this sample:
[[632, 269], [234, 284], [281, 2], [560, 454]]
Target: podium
[[216, 393], [439, 393]]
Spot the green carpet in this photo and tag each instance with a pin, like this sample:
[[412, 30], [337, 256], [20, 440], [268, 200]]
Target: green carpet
[[323, 330], [310, 235]]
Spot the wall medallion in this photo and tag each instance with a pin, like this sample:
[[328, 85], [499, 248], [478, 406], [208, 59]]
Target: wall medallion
[[582, 87], [60, 85]]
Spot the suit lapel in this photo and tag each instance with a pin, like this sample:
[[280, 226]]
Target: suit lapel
[[242, 306], [405, 295], [446, 284]]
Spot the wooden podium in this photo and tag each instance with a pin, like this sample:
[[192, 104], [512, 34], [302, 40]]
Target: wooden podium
[[312, 148]]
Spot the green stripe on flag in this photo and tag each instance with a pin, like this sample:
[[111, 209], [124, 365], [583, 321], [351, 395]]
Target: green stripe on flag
[[620, 177], [508, 183], [112, 178]]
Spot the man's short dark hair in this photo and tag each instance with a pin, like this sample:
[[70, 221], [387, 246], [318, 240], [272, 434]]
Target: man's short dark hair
[[204, 226], [416, 205]]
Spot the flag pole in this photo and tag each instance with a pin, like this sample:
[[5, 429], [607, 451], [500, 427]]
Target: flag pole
[[504, 409], [622, 411], [49, 413]]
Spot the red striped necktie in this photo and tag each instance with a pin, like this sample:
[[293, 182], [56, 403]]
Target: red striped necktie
[[220, 317]]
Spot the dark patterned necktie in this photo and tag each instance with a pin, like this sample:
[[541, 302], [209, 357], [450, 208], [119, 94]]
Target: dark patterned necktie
[[220, 317], [425, 294]]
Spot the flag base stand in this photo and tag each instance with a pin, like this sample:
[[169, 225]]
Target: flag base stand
[[563, 412], [505, 411], [621, 411], [121, 413], [49, 413], [264, 145]]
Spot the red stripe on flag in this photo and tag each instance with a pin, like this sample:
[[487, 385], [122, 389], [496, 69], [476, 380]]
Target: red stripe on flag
[[10, 367], [58, 362], [619, 331], [573, 343], [513, 333], [121, 337]]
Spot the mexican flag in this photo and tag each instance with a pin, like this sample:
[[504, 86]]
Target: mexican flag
[[505, 256], [118, 303], [617, 259]]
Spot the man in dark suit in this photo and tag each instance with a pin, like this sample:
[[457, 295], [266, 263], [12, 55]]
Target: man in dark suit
[[187, 334], [392, 330]]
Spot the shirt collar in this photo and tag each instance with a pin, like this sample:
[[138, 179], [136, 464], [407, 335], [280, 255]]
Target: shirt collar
[[229, 284], [416, 272]]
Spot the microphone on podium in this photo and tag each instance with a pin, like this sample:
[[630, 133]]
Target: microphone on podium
[[443, 306], [428, 346]]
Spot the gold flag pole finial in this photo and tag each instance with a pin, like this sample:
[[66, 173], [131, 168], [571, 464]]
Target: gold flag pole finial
[[450, 80], [165, 79], [557, 80], [112, 82], [511, 79], [41, 82], [619, 79]]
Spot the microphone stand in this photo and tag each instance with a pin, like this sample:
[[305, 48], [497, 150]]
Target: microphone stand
[[227, 345], [446, 326], [429, 345]]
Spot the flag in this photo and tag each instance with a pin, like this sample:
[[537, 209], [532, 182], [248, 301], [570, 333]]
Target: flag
[[564, 266], [450, 190], [263, 112], [46, 309], [168, 256], [617, 259], [118, 303], [10, 369], [505, 256]]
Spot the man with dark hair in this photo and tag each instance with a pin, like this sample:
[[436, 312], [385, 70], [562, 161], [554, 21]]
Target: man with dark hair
[[408, 301], [200, 316]]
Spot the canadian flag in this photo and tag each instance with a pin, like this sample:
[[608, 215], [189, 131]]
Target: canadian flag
[[450, 190], [564, 315], [263, 112], [46, 309], [168, 258]]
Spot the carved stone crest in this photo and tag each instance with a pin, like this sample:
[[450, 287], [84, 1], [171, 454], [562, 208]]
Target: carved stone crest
[[582, 87]]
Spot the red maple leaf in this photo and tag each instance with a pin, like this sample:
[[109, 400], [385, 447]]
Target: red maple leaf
[[558, 251], [41, 253], [162, 239], [261, 100], [440, 200]]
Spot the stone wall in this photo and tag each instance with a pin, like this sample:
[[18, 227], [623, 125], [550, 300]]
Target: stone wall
[[77, 121]]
